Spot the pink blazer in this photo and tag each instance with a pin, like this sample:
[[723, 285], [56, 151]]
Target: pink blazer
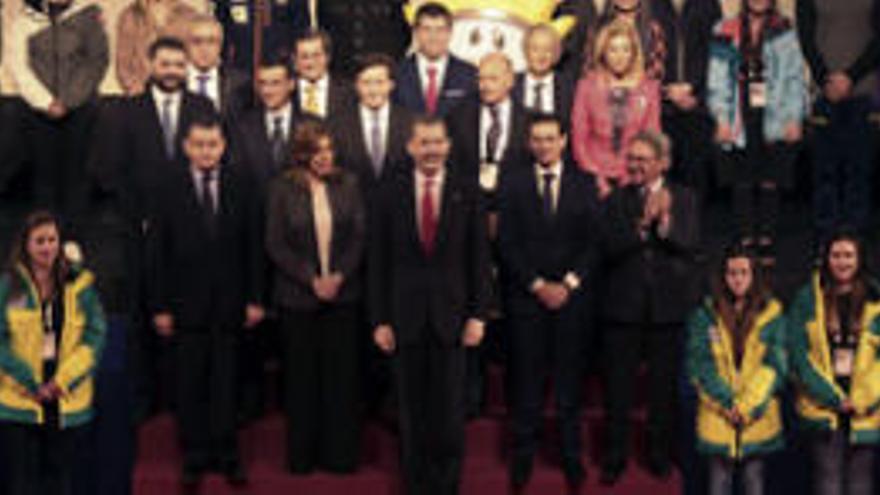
[[592, 127]]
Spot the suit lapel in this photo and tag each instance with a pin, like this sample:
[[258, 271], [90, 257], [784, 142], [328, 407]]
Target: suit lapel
[[408, 190], [151, 113], [411, 71], [449, 194]]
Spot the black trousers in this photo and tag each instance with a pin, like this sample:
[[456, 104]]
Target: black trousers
[[625, 346], [540, 340], [321, 381], [431, 400], [40, 460], [206, 400], [58, 151]]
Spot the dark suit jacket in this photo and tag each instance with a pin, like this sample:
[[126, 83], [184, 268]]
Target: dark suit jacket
[[691, 32], [205, 280], [236, 93], [340, 97], [428, 298], [533, 246], [139, 154], [459, 84], [464, 128], [653, 279], [351, 147], [585, 11], [252, 149], [292, 245], [563, 94]]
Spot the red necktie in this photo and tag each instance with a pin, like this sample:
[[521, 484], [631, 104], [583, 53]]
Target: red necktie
[[432, 93], [429, 219]]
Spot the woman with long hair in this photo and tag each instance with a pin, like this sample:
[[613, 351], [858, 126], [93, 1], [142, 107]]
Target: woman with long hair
[[315, 238], [51, 334], [613, 103], [834, 344], [736, 360]]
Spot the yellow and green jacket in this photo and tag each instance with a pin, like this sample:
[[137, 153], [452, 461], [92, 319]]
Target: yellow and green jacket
[[21, 341], [752, 388], [818, 394]]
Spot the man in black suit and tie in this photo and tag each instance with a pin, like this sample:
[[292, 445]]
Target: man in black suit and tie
[[432, 81], [651, 242], [428, 274], [229, 89], [541, 88], [205, 284], [144, 148], [317, 92], [548, 236], [371, 136], [262, 140]]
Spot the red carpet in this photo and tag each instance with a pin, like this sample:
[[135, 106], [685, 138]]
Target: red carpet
[[485, 470]]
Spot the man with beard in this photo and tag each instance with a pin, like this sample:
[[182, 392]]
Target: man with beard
[[59, 55], [146, 151]]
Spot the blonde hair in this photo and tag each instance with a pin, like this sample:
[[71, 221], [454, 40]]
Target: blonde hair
[[616, 29]]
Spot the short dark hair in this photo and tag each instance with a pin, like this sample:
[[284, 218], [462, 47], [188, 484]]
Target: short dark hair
[[433, 9], [424, 120], [315, 34], [208, 120], [166, 43], [370, 60], [278, 60], [546, 118]]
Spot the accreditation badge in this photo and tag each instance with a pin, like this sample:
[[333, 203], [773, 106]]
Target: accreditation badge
[[239, 14], [843, 362], [758, 94], [488, 176], [49, 347]]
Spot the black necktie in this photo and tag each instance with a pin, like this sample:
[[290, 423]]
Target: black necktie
[[494, 134], [209, 204], [547, 198], [277, 141], [538, 103]]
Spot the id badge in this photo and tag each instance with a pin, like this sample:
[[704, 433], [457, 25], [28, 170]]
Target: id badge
[[239, 14], [488, 177], [49, 350], [758, 94], [843, 362]]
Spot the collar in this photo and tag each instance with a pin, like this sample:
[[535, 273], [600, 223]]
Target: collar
[[194, 73], [160, 96], [196, 172], [531, 80], [438, 177], [321, 83], [283, 112], [367, 113], [503, 106], [555, 169], [423, 63]]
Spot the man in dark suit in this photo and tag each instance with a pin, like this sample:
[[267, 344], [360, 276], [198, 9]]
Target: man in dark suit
[[360, 27], [548, 233], [262, 140], [428, 273], [318, 93], [651, 241], [371, 137], [205, 283], [541, 88], [143, 147], [228, 88], [433, 81]]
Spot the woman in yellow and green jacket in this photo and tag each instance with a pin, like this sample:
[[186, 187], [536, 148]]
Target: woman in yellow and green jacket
[[736, 360], [51, 334], [834, 343]]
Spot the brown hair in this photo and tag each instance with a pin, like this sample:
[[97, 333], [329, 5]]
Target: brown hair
[[306, 144], [739, 324], [860, 284], [18, 255]]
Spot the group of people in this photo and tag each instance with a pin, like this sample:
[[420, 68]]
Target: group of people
[[433, 205]]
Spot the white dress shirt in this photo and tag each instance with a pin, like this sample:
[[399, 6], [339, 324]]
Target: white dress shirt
[[423, 63], [504, 118], [547, 92], [284, 113], [367, 124], [212, 85], [436, 194], [322, 86]]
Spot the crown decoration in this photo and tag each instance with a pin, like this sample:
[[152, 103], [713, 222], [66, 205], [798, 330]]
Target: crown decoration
[[525, 12]]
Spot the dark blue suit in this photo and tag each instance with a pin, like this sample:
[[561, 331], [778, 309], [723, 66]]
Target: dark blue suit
[[459, 83]]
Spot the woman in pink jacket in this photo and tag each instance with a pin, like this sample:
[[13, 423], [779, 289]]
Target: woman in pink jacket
[[614, 101]]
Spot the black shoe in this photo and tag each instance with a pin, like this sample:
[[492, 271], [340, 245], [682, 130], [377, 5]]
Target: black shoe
[[575, 474], [190, 477], [611, 473], [659, 466], [235, 473], [520, 471]]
